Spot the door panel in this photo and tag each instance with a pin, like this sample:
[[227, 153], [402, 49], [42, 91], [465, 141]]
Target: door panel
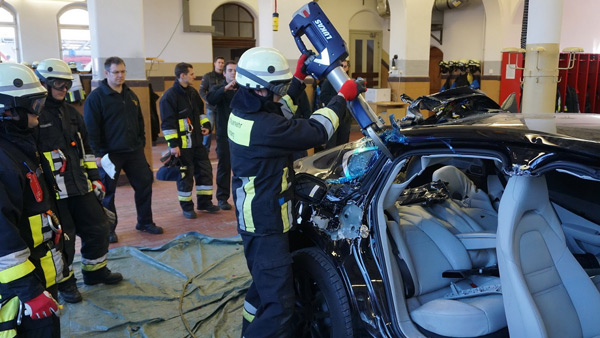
[[365, 56]]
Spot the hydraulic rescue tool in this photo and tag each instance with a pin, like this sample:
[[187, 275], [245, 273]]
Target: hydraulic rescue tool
[[310, 21]]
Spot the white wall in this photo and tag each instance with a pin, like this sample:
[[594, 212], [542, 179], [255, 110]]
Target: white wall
[[38, 28], [580, 25], [464, 32]]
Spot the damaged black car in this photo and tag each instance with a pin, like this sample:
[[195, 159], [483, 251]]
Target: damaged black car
[[484, 229]]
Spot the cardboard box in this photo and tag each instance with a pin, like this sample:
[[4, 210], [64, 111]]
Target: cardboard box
[[378, 94], [385, 109]]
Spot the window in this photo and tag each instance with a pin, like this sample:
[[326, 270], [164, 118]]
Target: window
[[8, 34], [233, 21], [74, 32]]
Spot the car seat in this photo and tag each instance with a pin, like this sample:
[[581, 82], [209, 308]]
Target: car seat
[[546, 292], [447, 307]]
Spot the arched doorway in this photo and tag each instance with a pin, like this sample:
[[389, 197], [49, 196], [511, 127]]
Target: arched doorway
[[234, 31], [435, 80]]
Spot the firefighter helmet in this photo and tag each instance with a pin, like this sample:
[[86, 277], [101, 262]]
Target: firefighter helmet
[[261, 67], [53, 68], [20, 88]]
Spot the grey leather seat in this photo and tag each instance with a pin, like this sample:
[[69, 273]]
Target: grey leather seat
[[428, 248], [546, 292]]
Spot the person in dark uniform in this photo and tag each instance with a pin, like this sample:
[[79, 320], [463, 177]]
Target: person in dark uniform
[[220, 96], [262, 142], [31, 258], [210, 79], [113, 118], [184, 124], [62, 139]]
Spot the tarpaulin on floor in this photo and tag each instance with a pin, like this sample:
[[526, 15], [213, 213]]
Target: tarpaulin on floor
[[210, 273]]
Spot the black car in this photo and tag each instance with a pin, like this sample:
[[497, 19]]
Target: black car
[[421, 244]]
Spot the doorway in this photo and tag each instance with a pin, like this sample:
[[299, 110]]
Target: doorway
[[365, 56]]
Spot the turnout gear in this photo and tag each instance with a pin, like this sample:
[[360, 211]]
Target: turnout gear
[[42, 306], [63, 140], [262, 142], [31, 259], [262, 67], [182, 119]]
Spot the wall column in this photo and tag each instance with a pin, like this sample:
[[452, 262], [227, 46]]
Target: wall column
[[410, 27], [117, 29], [541, 63]]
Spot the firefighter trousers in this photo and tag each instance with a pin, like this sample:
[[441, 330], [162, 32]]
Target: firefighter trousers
[[195, 165], [269, 303], [223, 179], [84, 216]]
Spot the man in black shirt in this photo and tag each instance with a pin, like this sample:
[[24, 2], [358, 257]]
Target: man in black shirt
[[115, 125]]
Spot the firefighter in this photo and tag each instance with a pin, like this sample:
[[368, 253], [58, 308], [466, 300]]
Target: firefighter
[[31, 259], [262, 142], [184, 124], [63, 140]]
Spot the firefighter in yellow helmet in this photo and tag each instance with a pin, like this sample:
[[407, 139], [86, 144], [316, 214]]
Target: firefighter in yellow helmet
[[31, 259]]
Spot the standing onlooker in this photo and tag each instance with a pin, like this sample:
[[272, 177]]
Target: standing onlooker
[[220, 96], [342, 134], [209, 80], [183, 124], [115, 125], [63, 140], [31, 260]]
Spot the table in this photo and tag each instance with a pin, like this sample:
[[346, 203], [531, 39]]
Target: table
[[384, 109]]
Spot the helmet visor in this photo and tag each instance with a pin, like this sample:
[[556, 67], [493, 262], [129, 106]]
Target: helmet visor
[[33, 104]]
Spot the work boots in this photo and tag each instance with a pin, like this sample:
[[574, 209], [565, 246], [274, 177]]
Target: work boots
[[69, 292], [102, 276]]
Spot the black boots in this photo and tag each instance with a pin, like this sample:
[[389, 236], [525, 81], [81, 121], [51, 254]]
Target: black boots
[[69, 292], [102, 276]]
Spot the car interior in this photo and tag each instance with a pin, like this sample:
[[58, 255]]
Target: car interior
[[474, 252]]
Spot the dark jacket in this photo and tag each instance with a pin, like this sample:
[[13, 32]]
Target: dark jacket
[[114, 120], [63, 140], [221, 99], [262, 142], [210, 80], [29, 259], [182, 115]]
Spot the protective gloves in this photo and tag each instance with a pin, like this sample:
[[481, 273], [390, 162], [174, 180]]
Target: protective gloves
[[42, 306], [301, 67], [98, 189], [351, 88]]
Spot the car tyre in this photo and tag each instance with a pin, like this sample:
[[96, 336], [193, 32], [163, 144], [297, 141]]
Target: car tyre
[[322, 308]]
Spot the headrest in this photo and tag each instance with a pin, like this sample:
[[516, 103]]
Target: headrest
[[459, 185]]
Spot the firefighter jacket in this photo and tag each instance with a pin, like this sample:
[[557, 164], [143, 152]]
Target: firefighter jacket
[[221, 99], [30, 254], [114, 120], [210, 80], [262, 142], [62, 138], [181, 113]]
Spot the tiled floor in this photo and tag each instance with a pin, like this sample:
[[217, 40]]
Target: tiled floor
[[167, 212]]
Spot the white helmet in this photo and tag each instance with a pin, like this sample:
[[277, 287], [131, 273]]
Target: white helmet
[[261, 67], [53, 68], [19, 87]]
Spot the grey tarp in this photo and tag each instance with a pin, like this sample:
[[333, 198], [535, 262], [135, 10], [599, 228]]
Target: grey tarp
[[147, 302]]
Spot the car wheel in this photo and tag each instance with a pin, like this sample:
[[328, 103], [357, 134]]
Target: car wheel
[[322, 308]]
